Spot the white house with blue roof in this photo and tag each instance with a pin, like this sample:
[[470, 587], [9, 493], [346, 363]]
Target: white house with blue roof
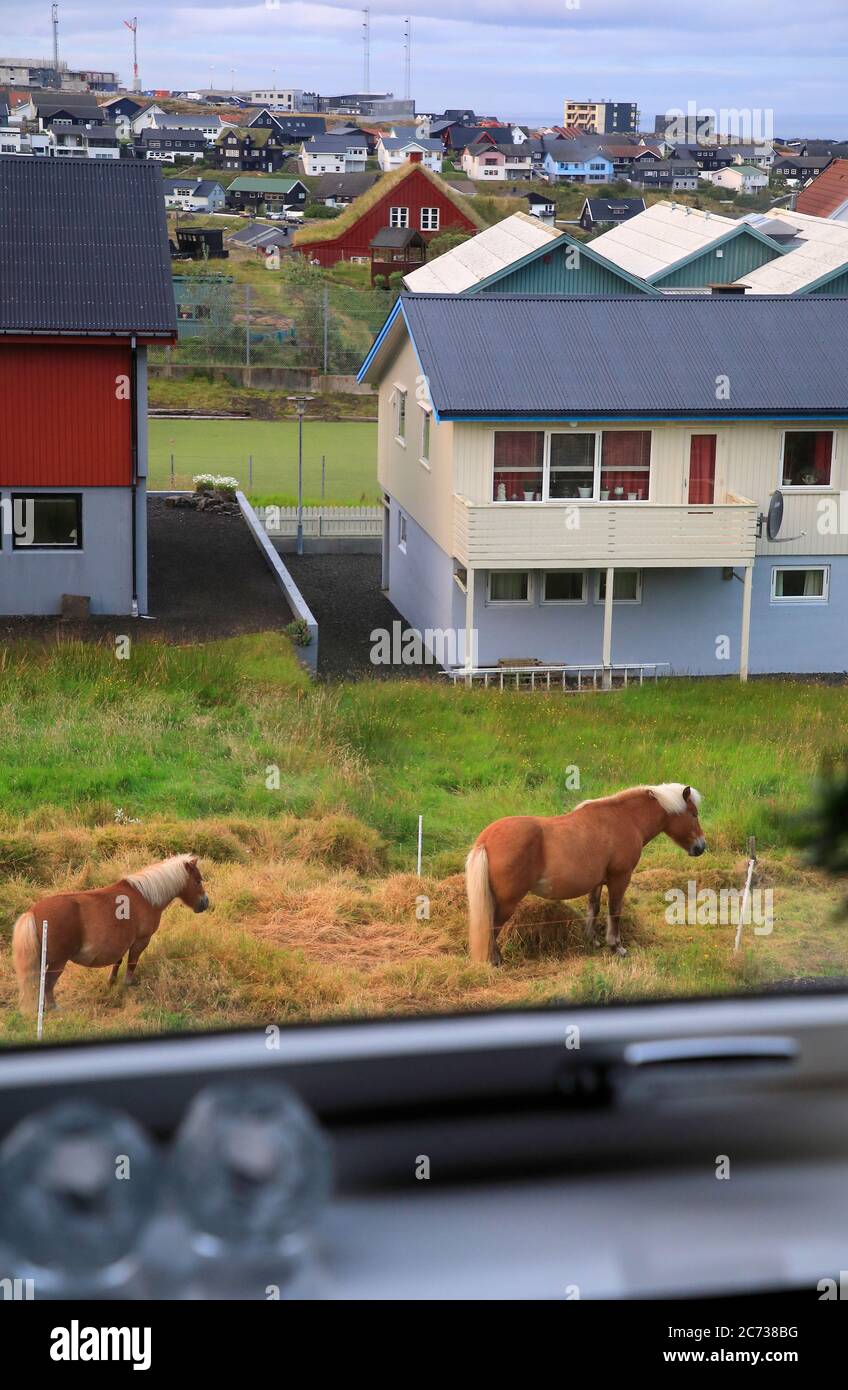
[[585, 481]]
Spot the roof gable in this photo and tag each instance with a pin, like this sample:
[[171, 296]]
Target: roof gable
[[337, 227], [828, 192], [566, 245]]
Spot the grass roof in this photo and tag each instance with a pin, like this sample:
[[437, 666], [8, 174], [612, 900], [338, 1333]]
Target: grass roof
[[331, 230], [258, 134]]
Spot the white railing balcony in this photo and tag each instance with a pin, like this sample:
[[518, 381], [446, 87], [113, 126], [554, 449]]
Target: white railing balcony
[[513, 535]]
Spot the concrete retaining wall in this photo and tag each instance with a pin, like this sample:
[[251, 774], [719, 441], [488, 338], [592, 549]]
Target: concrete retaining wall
[[308, 656]]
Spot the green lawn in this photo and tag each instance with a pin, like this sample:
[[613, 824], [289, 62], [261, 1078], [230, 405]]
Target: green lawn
[[224, 446]]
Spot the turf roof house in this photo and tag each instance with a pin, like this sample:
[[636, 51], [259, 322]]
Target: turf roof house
[[409, 197], [85, 287], [570, 487]]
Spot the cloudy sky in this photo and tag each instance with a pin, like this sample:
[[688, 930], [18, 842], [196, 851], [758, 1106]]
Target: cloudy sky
[[515, 60]]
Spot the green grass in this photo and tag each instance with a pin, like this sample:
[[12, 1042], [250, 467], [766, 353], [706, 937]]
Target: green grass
[[223, 446], [314, 898]]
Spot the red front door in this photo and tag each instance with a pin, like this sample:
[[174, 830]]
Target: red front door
[[702, 462]]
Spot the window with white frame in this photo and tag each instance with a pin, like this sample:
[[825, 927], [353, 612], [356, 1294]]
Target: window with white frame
[[398, 217], [425, 435], [429, 219], [564, 586], [794, 584], [400, 414], [509, 586], [553, 466], [807, 458], [401, 531], [626, 586]]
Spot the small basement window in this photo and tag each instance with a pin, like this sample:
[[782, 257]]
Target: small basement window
[[509, 586], [564, 586], [47, 521], [626, 586], [796, 585]]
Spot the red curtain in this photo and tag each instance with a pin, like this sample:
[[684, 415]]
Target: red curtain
[[702, 461], [516, 450], [626, 462]]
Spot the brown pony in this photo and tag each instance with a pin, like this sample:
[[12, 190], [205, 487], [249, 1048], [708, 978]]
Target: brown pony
[[101, 926], [599, 842]]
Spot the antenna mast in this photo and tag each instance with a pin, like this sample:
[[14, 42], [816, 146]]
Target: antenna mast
[[132, 25], [407, 58], [54, 20], [366, 51]]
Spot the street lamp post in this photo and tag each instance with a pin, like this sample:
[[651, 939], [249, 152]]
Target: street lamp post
[[300, 404]]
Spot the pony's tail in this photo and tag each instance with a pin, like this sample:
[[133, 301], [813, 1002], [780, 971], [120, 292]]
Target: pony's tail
[[26, 955], [481, 906]]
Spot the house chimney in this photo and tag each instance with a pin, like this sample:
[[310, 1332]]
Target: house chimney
[[728, 289]]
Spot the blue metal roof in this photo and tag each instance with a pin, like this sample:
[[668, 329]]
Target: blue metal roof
[[557, 357]]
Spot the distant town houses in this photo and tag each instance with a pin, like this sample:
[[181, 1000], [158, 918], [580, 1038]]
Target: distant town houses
[[172, 146], [194, 195], [741, 178], [392, 151], [258, 149], [487, 159], [338, 190], [800, 168], [575, 162], [260, 194], [609, 212], [676, 175], [334, 154]]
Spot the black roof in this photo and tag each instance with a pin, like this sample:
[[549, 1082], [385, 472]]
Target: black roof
[[524, 356], [81, 106], [398, 237], [85, 247], [152, 134], [617, 209], [347, 185]]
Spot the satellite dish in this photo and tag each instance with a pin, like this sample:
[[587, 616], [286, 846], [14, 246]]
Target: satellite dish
[[773, 520]]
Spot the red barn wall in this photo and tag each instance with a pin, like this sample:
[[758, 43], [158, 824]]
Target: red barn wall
[[61, 422], [414, 192]]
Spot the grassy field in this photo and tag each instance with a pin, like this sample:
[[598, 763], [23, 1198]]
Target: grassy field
[[107, 765], [224, 446]]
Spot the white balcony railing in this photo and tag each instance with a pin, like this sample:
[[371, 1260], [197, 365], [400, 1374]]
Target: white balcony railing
[[512, 535]]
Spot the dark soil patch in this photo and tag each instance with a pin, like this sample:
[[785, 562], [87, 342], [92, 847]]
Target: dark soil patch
[[344, 594], [207, 579]]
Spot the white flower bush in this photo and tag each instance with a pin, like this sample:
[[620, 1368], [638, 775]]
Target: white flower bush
[[215, 482]]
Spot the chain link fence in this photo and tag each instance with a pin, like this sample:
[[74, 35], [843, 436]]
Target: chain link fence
[[291, 316]]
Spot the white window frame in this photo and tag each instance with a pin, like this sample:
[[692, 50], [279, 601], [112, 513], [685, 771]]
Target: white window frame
[[401, 395], [820, 599], [596, 473], [426, 427], [804, 489], [563, 602], [509, 602], [427, 216], [627, 601], [399, 217], [402, 531]]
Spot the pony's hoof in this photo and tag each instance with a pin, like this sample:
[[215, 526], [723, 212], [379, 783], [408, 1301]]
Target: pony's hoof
[[132, 982], [619, 951]]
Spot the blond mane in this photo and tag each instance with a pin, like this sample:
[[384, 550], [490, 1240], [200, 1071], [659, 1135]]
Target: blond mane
[[161, 882], [668, 794]]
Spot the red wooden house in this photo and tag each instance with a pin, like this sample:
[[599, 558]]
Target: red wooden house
[[409, 197], [85, 286]]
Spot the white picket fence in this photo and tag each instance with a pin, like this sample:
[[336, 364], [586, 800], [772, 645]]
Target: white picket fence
[[323, 521]]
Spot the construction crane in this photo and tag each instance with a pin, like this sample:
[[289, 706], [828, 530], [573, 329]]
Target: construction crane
[[132, 25]]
